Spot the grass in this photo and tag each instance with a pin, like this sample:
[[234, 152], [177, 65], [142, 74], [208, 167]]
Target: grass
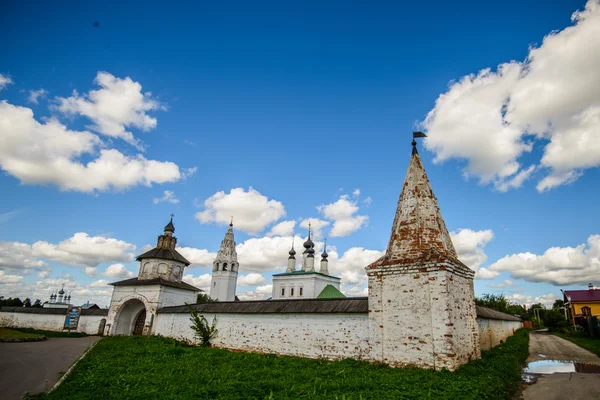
[[161, 368], [50, 334], [586, 342], [15, 334]]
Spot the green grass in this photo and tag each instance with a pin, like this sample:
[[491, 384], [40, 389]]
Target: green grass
[[15, 334], [161, 368], [587, 343], [50, 334]]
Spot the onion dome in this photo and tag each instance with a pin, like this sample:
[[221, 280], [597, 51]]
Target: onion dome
[[324, 254], [292, 252], [62, 291], [170, 227]]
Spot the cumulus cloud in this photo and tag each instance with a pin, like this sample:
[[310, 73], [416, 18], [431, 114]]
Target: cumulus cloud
[[118, 104], [35, 95], [118, 271], [490, 119], [260, 293], [49, 153], [251, 210], [168, 197], [251, 279], [201, 282], [351, 265], [469, 245], [506, 283], [316, 226], [283, 228], [5, 81], [558, 265], [84, 250], [6, 278], [197, 257], [547, 300], [343, 214], [91, 271], [16, 255]]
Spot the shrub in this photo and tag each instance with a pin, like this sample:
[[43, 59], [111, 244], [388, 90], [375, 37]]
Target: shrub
[[202, 331]]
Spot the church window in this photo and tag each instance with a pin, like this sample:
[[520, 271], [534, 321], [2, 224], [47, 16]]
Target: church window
[[282, 291], [214, 284], [224, 266], [291, 291], [216, 268], [300, 291]]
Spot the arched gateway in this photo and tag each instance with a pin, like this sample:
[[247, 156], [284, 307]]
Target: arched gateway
[[135, 301]]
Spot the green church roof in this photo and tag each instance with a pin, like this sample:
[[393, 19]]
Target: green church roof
[[330, 292]]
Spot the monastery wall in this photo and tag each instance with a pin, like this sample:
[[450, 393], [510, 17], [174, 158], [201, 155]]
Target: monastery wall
[[333, 336], [492, 332], [43, 320]]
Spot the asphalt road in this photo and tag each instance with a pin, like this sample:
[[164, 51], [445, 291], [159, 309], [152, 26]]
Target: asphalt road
[[559, 386], [34, 367]]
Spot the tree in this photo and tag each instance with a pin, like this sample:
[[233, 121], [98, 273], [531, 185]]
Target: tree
[[27, 302], [499, 303], [37, 304], [203, 298], [558, 304], [202, 331]]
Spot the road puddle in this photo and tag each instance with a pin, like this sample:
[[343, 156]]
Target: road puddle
[[557, 367]]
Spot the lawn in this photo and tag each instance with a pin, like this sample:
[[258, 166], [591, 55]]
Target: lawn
[[588, 343], [6, 333], [137, 367]]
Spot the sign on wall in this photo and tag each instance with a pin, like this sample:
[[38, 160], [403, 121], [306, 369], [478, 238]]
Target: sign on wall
[[72, 318]]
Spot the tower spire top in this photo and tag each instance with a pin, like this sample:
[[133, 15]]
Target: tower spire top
[[417, 134], [231, 223], [170, 227]]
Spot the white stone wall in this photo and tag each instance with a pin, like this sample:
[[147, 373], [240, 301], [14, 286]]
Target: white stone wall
[[223, 285], [493, 331], [312, 285], [151, 268], [49, 322], [332, 336]]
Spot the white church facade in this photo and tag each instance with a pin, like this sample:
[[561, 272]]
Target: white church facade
[[420, 310]]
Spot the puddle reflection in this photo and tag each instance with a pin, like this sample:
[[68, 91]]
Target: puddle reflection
[[553, 367]]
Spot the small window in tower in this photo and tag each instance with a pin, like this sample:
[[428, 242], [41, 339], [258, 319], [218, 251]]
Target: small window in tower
[[300, 291], [291, 291], [214, 284], [224, 266]]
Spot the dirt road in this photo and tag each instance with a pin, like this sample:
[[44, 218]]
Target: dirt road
[[558, 386]]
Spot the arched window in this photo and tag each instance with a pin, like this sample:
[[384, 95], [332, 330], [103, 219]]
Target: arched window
[[291, 291], [300, 289], [224, 266], [282, 290], [216, 267]]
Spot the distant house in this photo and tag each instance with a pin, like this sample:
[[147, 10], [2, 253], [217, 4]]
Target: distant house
[[90, 306], [582, 302]]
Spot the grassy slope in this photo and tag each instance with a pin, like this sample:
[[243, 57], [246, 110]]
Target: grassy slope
[[12, 333], [590, 344], [160, 368]]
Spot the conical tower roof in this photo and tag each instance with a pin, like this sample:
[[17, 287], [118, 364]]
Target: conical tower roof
[[227, 251], [418, 229]]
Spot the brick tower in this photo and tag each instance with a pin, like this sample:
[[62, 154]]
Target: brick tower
[[421, 299]]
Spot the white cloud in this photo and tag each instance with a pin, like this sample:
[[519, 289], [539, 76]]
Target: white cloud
[[367, 202], [43, 274], [506, 283], [251, 210], [34, 95], [117, 105], [351, 265], [558, 265], [547, 300], [99, 283], [491, 118], [284, 228], [469, 247], [168, 197], [260, 293], [251, 279], [342, 212], [356, 192], [5, 81], [265, 253], [316, 226], [197, 257], [16, 255], [84, 250], [201, 282], [118, 271], [49, 153], [5, 278], [91, 271]]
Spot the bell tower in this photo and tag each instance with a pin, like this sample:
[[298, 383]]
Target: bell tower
[[225, 269]]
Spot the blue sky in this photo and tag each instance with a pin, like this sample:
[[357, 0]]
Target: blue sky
[[295, 106]]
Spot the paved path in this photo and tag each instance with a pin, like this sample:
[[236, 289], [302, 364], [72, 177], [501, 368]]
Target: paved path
[[35, 366], [571, 386]]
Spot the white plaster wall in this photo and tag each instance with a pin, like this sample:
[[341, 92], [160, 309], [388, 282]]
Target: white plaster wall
[[312, 285], [332, 336], [223, 285], [49, 322], [493, 331], [151, 268]]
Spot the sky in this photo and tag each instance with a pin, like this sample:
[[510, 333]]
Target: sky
[[114, 115]]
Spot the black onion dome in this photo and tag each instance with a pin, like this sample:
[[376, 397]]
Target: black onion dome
[[292, 252], [170, 227]]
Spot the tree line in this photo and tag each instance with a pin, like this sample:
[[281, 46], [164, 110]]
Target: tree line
[[17, 302]]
